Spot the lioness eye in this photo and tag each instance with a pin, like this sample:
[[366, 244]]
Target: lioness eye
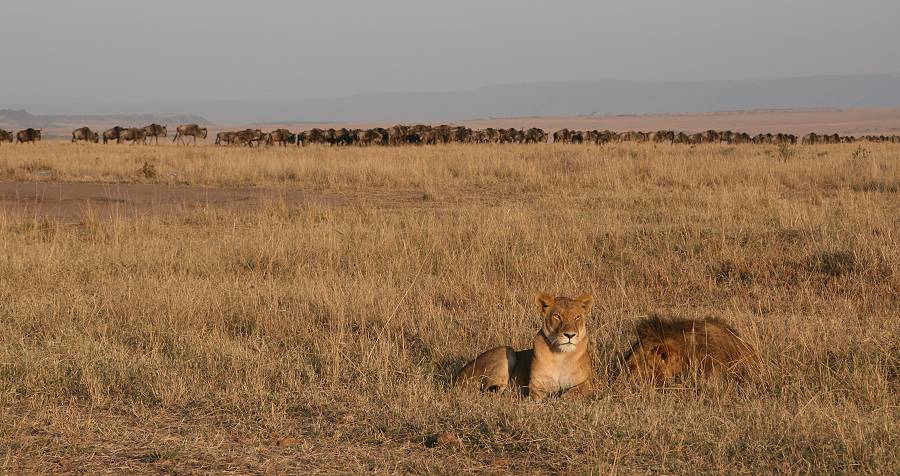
[[577, 318], [556, 316]]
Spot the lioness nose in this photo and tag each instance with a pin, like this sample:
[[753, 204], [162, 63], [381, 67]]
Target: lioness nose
[[570, 335]]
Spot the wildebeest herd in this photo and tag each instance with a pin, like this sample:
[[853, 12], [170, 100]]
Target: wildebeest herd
[[422, 134], [707, 137], [396, 135], [25, 135], [428, 135]]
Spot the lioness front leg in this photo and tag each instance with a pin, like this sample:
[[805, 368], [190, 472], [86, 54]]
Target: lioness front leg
[[537, 394], [582, 390]]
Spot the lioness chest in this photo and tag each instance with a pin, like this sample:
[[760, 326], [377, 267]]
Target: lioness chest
[[556, 376]]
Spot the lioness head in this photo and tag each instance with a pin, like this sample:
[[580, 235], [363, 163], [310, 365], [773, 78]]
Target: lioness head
[[564, 320]]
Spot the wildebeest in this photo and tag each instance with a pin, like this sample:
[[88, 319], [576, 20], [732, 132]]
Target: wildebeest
[[811, 138], [112, 134], [512, 136], [882, 138], [711, 137], [156, 131], [192, 130], [784, 138], [602, 137], [630, 136], [434, 135], [460, 134], [492, 135], [371, 137], [486, 136], [761, 138], [249, 136], [379, 136], [29, 135], [6, 136], [133, 134], [663, 136], [535, 135], [316, 136], [312, 136], [397, 134], [226, 138], [478, 137], [342, 136], [280, 136], [431, 136], [561, 136], [85, 134], [741, 138]]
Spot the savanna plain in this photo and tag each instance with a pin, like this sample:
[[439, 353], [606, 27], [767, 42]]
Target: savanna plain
[[318, 333]]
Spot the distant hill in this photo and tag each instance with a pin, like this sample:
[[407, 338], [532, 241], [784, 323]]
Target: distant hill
[[580, 98], [606, 97], [13, 119], [20, 118]]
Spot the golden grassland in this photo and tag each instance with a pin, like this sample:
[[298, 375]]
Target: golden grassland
[[198, 339]]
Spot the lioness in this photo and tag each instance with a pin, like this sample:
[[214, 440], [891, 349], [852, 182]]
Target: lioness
[[557, 364]]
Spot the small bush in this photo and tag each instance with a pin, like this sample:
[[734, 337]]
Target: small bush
[[148, 171], [836, 263], [785, 152], [860, 153]]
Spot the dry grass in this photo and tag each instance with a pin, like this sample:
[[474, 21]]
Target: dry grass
[[196, 341]]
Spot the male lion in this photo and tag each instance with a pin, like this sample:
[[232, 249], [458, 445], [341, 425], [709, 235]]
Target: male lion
[[557, 364], [671, 348]]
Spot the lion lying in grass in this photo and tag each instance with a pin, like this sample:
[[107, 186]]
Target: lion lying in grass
[[670, 349], [557, 364]]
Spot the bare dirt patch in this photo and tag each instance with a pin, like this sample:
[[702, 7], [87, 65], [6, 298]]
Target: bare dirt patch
[[73, 200]]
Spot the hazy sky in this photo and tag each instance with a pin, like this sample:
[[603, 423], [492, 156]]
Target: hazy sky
[[92, 50]]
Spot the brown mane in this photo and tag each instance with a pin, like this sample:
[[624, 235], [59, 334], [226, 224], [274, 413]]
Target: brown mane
[[672, 348]]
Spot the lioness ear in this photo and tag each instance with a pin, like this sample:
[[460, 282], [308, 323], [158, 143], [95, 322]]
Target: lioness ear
[[544, 301], [586, 300]]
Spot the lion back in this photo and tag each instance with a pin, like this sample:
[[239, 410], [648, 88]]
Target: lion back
[[706, 346]]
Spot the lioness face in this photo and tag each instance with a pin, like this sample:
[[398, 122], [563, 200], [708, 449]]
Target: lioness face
[[564, 320]]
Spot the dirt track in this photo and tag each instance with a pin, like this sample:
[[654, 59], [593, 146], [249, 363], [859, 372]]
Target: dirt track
[[74, 200]]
